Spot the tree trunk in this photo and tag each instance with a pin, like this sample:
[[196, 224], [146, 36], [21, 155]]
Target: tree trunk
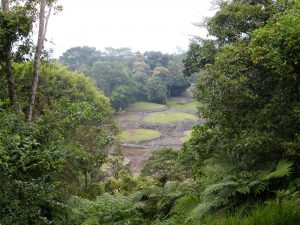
[[7, 66], [43, 23], [5, 5]]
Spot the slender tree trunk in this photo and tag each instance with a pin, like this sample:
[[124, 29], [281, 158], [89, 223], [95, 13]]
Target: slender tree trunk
[[5, 5], [7, 66], [43, 23]]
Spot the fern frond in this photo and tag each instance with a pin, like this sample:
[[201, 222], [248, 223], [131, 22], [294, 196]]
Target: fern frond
[[185, 204], [136, 196], [257, 186], [282, 169], [219, 186], [172, 189], [153, 191], [243, 190], [200, 210]]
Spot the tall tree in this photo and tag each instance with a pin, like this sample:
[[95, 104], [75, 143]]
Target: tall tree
[[78, 58], [7, 66], [43, 23]]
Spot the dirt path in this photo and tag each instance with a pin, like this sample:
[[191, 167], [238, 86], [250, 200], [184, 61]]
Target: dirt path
[[171, 135]]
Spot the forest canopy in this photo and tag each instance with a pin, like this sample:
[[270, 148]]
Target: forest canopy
[[127, 77]]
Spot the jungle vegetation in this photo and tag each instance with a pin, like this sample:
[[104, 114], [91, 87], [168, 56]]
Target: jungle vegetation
[[62, 164], [127, 77]]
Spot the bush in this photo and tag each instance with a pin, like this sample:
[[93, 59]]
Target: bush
[[28, 163]]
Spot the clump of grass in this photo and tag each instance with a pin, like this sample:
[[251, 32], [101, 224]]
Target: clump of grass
[[182, 105], [166, 118], [286, 212], [146, 106], [138, 135]]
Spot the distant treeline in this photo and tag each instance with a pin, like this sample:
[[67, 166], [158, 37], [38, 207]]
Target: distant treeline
[[126, 76]]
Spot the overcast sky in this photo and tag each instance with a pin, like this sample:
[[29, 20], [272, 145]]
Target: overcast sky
[[142, 25]]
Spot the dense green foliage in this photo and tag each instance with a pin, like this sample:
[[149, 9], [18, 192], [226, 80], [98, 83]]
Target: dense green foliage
[[113, 79], [163, 165], [241, 166], [106, 209], [128, 77], [28, 162], [248, 148], [62, 150], [156, 90], [15, 28]]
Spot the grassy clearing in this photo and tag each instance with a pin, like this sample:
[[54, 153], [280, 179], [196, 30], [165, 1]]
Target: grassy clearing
[[129, 117], [165, 118], [144, 106], [138, 135], [182, 105], [187, 134]]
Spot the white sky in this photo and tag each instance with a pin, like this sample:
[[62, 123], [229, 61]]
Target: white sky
[[142, 25]]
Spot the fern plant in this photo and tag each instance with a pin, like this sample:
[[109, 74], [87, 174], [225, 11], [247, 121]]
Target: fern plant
[[158, 201], [106, 209], [230, 182]]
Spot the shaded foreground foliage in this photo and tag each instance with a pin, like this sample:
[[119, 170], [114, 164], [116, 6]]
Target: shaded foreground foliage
[[248, 149], [60, 154]]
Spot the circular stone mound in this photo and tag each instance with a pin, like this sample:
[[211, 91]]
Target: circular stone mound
[[182, 105], [138, 135], [168, 118], [146, 106]]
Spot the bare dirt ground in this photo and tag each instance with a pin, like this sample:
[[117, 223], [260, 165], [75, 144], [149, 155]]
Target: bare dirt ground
[[171, 134]]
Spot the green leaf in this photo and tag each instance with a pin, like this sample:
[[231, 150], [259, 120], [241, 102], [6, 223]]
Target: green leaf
[[283, 169]]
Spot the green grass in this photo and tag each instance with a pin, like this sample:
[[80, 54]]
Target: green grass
[[144, 106], [187, 134], [182, 105], [138, 135], [130, 117], [165, 118], [271, 213]]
